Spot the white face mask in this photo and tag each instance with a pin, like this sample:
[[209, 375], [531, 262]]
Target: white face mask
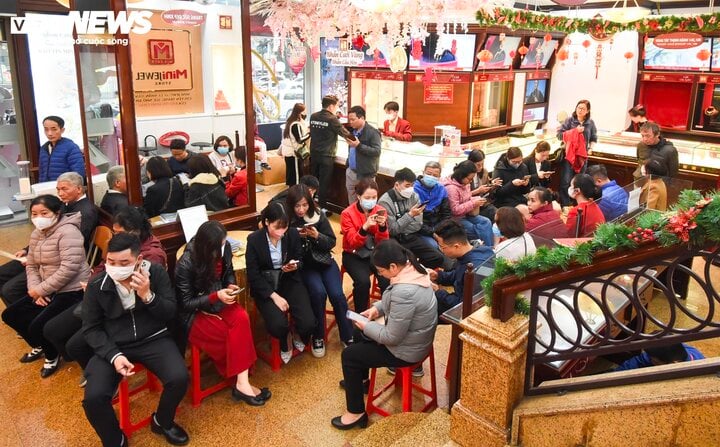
[[389, 117], [118, 273], [571, 192], [42, 223], [407, 192]]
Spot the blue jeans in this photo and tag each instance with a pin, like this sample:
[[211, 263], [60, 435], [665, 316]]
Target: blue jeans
[[324, 282], [478, 227], [430, 240]]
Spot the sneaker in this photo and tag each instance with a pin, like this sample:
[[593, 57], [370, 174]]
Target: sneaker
[[50, 366], [298, 344], [416, 372], [318, 348], [327, 212], [265, 166], [345, 344], [285, 356], [83, 382], [31, 356]]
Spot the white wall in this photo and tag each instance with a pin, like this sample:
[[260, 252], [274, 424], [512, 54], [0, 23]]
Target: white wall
[[610, 95]]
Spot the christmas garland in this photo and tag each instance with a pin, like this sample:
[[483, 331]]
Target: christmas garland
[[523, 19], [695, 219]]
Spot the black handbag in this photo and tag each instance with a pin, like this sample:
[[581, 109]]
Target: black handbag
[[559, 154], [272, 277], [321, 257]]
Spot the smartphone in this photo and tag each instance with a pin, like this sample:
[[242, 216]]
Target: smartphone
[[381, 212], [144, 267], [527, 177], [236, 292], [307, 225], [485, 196], [292, 262], [550, 172], [424, 203]]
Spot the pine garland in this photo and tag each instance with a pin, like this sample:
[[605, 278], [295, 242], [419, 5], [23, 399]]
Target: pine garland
[[695, 219], [519, 19]]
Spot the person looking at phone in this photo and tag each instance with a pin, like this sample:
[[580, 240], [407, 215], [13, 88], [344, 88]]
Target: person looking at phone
[[481, 184], [515, 178], [465, 208], [405, 218], [363, 151], [614, 200], [584, 222], [363, 225], [538, 165], [274, 257], [404, 339], [434, 196], [320, 272], [211, 317], [125, 315]]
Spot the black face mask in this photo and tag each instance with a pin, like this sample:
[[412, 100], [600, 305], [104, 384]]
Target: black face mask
[[303, 116]]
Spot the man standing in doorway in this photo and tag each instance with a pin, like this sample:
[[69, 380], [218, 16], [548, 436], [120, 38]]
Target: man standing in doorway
[[325, 127], [363, 151]]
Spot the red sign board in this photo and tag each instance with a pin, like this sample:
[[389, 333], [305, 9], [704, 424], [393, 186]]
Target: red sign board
[[678, 41], [183, 17], [446, 78], [438, 94], [377, 75], [668, 77], [705, 79], [538, 75], [492, 77], [160, 52]]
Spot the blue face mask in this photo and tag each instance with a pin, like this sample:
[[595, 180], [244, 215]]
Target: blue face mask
[[368, 205], [429, 181], [223, 150], [496, 230]]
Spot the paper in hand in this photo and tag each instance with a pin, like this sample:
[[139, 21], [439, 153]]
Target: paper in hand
[[356, 316]]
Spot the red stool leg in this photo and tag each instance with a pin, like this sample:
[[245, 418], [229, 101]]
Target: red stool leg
[[124, 407], [406, 374], [195, 373]]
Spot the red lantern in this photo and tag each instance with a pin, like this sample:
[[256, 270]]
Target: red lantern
[[703, 54], [484, 56], [563, 54], [296, 58], [629, 55], [586, 44], [511, 54], [523, 50], [548, 37]]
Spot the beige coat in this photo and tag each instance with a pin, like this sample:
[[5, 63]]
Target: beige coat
[[56, 258]]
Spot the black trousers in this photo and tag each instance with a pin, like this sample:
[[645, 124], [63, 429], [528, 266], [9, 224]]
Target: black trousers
[[13, 282], [64, 333], [293, 290], [357, 359], [293, 171], [360, 270], [29, 320], [428, 255], [161, 357], [322, 168]]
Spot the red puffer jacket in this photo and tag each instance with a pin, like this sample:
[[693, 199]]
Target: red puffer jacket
[[351, 222]]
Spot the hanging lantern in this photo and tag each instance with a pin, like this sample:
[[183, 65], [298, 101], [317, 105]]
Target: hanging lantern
[[703, 54], [547, 37], [296, 58], [628, 55], [575, 57], [563, 54], [598, 60], [484, 56], [586, 43], [523, 50]]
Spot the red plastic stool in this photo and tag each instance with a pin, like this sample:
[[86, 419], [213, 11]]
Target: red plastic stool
[[375, 295], [403, 377], [197, 393], [272, 357], [123, 400]]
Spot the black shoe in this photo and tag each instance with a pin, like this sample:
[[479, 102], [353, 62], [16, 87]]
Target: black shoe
[[255, 401], [362, 422], [174, 435], [265, 166], [31, 356], [327, 212], [125, 442], [265, 394], [50, 367], [366, 385]]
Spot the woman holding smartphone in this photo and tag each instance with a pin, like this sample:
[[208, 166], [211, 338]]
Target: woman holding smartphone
[[320, 272], [213, 320], [274, 256], [363, 224], [515, 179], [405, 338]]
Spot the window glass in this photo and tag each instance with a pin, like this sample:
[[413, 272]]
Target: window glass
[[278, 79]]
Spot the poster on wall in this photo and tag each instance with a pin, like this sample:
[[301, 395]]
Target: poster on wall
[[438, 93], [443, 52], [332, 77]]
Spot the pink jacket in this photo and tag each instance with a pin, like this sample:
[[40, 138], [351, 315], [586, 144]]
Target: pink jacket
[[460, 198]]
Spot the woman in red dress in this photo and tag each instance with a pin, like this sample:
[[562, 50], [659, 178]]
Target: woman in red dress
[[205, 284]]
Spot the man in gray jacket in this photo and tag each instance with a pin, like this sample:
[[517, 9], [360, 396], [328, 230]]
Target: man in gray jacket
[[405, 219], [363, 151]]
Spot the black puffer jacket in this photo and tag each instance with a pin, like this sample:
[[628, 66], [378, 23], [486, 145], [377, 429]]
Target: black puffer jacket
[[509, 194]]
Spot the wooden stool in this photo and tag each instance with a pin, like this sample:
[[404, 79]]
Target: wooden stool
[[123, 400], [403, 377], [197, 393]]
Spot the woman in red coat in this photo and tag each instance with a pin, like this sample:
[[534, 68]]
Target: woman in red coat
[[363, 225], [237, 188]]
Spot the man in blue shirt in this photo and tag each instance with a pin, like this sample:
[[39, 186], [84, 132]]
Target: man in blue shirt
[[662, 355], [363, 151], [614, 201]]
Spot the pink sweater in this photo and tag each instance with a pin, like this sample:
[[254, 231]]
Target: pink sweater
[[460, 198]]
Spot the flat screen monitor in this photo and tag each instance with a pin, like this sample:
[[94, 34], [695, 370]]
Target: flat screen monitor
[[675, 59], [500, 49], [539, 52], [715, 65], [536, 91], [534, 114], [454, 52]]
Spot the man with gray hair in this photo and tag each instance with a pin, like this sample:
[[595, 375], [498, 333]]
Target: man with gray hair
[[116, 197], [71, 191]]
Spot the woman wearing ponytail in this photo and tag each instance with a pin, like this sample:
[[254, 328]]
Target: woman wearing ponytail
[[406, 337], [55, 268]]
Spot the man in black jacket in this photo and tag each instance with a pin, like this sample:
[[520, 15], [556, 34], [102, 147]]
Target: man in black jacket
[[116, 196], [655, 145], [363, 151], [325, 127], [125, 314]]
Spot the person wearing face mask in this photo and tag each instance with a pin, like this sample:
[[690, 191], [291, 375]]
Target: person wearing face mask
[[274, 257], [538, 165], [433, 194], [295, 135], [481, 184], [125, 315], [236, 188], [394, 126], [579, 134], [405, 218], [55, 269], [465, 208], [222, 158], [583, 190], [363, 225], [212, 319], [515, 179], [363, 151]]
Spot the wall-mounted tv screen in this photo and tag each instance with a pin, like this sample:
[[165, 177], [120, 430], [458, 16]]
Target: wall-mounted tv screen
[[536, 91], [534, 114], [715, 66], [454, 52], [500, 49], [539, 52], [675, 59]]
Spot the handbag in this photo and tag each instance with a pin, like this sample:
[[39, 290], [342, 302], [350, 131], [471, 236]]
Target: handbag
[[303, 150], [272, 277], [365, 251], [559, 154], [319, 256]]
